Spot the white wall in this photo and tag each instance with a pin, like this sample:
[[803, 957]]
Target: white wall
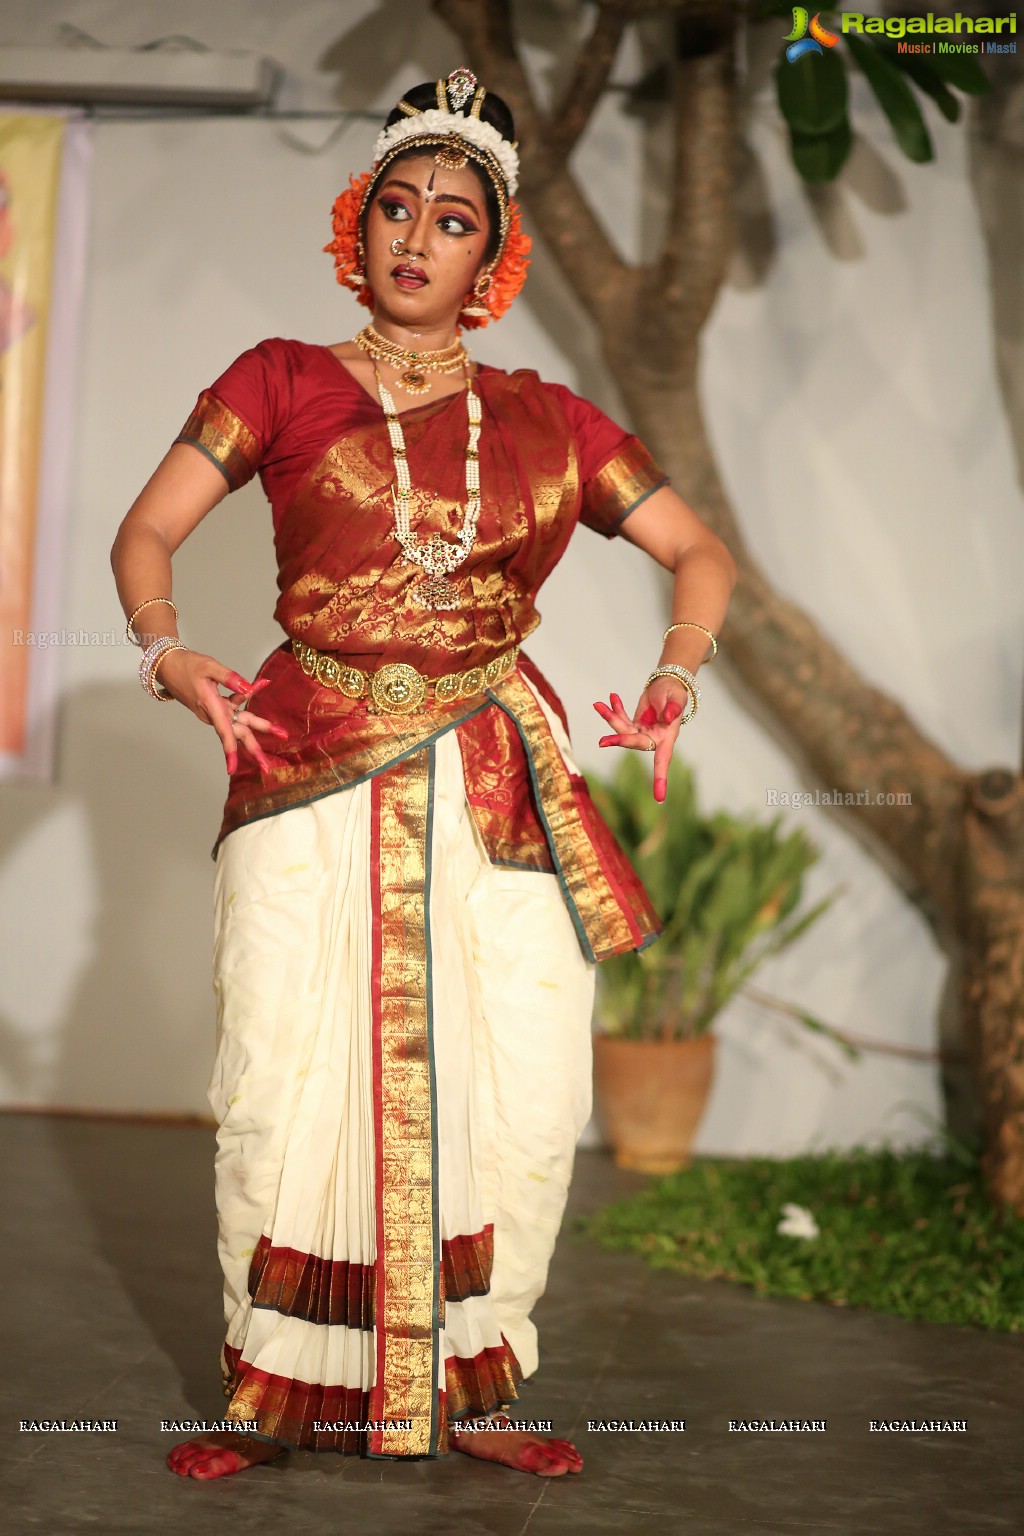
[[853, 400]]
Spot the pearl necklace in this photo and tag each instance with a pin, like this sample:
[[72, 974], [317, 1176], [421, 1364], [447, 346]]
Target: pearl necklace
[[436, 556], [412, 366]]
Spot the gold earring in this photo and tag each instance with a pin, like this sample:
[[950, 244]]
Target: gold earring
[[480, 289], [357, 278]]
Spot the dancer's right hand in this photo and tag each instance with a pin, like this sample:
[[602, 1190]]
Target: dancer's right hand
[[193, 680]]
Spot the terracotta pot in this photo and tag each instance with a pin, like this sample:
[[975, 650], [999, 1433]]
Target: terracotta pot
[[652, 1094]]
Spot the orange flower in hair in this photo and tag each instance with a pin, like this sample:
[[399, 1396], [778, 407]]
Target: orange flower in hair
[[345, 247], [508, 276]]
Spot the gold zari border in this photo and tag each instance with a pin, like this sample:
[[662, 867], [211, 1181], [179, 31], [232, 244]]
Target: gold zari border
[[599, 917], [409, 1311], [617, 488], [223, 437]]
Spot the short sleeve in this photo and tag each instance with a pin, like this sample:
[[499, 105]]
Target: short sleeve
[[616, 470], [235, 420]]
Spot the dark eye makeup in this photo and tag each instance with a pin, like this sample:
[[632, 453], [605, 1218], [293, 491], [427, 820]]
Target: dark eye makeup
[[450, 223]]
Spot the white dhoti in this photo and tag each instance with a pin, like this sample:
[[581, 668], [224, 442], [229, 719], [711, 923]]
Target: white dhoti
[[403, 1070]]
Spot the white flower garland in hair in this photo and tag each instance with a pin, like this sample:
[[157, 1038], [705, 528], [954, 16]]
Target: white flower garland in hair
[[433, 121]]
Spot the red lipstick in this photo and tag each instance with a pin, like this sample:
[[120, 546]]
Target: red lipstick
[[408, 276]]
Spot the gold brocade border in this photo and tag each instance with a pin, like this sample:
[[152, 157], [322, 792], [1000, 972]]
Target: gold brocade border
[[224, 438], [341, 1291], [470, 1259], [506, 853], [409, 1306], [617, 487], [600, 920], [371, 743], [478, 1385]]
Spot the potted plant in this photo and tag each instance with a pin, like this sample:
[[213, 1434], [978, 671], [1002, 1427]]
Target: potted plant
[[728, 890]]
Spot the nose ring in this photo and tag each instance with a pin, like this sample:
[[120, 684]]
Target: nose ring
[[399, 248]]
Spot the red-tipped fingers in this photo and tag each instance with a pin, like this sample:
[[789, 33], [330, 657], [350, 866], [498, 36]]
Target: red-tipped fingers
[[257, 723], [672, 711], [660, 786], [219, 712], [648, 717], [239, 685], [612, 715], [249, 741]]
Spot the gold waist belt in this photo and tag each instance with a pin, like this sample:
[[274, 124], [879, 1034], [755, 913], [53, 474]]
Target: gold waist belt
[[399, 689]]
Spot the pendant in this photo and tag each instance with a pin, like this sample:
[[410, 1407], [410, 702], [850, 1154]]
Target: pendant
[[437, 592], [415, 382]]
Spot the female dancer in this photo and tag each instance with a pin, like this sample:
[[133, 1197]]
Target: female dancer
[[412, 885]]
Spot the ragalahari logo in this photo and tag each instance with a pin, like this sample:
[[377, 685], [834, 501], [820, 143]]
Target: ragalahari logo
[[800, 43]]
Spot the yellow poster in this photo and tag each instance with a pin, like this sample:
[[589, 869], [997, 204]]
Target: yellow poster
[[30, 158]]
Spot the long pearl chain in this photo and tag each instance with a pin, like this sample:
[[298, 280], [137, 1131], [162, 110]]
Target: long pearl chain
[[435, 556]]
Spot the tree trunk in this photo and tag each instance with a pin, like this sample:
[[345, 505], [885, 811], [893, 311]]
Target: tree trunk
[[992, 889]]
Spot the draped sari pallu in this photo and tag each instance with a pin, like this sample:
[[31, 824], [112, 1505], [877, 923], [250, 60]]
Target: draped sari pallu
[[512, 798]]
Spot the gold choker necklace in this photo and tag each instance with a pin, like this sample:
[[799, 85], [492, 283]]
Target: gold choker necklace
[[413, 366]]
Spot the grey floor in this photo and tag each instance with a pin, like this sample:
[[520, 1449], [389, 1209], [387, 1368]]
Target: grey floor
[[113, 1312]]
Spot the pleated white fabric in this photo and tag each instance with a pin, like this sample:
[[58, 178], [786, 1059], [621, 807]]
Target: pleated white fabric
[[292, 1085]]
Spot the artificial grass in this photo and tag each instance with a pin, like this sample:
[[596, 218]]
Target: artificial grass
[[911, 1235]]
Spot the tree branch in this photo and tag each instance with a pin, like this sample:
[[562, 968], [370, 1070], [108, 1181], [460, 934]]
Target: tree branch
[[594, 62], [568, 223], [699, 231]]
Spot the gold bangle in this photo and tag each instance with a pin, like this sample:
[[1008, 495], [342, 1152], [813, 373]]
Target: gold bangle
[[689, 624], [132, 638]]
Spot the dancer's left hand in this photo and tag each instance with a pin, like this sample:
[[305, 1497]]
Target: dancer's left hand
[[656, 718]]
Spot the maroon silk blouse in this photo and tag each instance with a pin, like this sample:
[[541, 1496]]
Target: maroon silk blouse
[[292, 413]]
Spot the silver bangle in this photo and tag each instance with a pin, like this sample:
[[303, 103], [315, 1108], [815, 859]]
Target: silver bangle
[[151, 656], [688, 681]]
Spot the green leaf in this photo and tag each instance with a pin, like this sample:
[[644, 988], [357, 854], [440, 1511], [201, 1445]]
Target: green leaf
[[926, 79], [812, 93], [727, 888], [821, 156], [961, 70], [895, 97], [786, 936]]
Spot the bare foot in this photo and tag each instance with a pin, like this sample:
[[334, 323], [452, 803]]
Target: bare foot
[[218, 1455], [519, 1449]]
